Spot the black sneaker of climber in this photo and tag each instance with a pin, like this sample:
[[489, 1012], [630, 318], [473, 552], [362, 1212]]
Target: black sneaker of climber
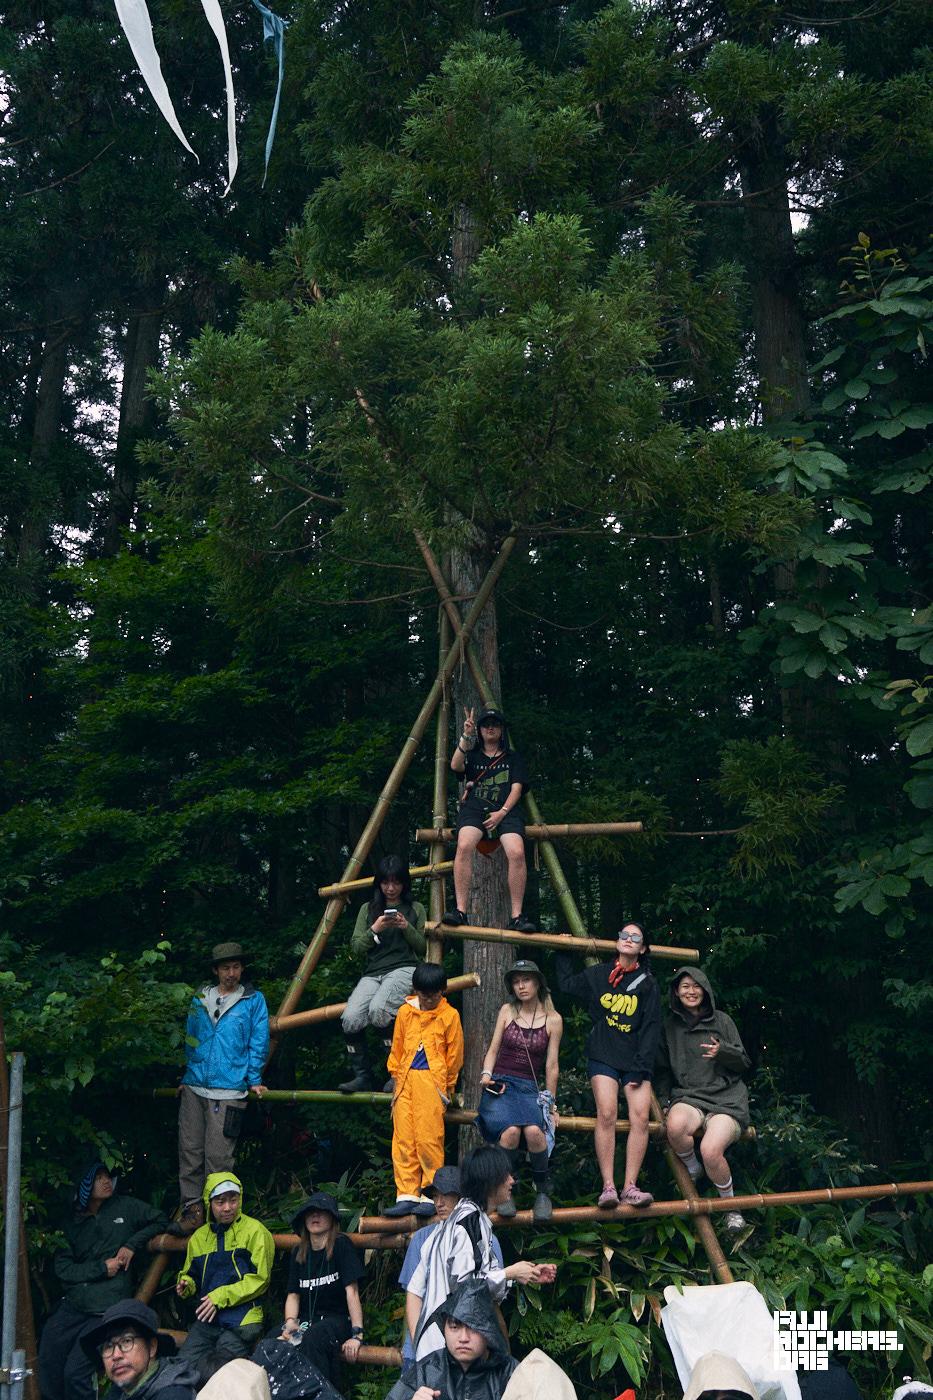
[[453, 917], [520, 924]]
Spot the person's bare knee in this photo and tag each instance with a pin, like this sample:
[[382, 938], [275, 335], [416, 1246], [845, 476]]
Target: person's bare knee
[[535, 1139]]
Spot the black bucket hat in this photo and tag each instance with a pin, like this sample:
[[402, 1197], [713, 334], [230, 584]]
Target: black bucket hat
[[118, 1315], [318, 1200], [530, 969]]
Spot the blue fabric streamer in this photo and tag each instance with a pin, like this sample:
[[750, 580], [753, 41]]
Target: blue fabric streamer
[[273, 31]]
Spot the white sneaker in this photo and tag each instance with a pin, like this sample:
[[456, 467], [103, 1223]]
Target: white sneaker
[[735, 1220]]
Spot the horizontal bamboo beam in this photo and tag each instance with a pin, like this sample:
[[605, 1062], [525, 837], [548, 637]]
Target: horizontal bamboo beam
[[332, 1012], [365, 1356], [417, 872], [374, 1233], [563, 941], [545, 831]]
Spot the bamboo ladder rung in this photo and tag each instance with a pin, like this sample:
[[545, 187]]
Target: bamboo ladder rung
[[543, 831], [417, 872], [562, 941], [318, 1014]]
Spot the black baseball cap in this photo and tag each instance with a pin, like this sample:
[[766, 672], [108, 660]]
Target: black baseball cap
[[491, 713], [446, 1182], [318, 1200]]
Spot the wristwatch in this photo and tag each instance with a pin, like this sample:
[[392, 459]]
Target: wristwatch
[[356, 1332]]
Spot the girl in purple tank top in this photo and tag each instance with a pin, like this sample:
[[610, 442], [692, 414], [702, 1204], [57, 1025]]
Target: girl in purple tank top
[[518, 1082]]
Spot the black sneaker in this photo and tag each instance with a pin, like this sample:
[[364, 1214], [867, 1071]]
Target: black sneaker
[[453, 917], [521, 925]]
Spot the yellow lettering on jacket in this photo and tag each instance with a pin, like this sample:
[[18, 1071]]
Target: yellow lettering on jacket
[[619, 1003]]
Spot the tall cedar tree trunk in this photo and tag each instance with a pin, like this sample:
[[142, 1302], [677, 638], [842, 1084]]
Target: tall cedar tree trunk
[[140, 354], [489, 900]]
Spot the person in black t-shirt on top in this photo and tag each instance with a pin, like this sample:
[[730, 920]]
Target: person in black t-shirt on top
[[495, 777], [323, 1302]]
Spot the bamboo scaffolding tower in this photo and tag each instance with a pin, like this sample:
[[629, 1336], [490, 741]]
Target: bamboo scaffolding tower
[[544, 831], [417, 872], [562, 941], [331, 1013], [392, 784]]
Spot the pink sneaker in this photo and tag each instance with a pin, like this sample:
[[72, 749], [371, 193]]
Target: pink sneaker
[[609, 1198], [634, 1196]]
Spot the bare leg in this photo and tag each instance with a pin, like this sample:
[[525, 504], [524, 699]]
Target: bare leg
[[606, 1094], [720, 1134], [514, 848], [467, 841], [683, 1120], [510, 1138], [639, 1101]]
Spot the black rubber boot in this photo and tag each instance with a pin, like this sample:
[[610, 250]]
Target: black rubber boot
[[542, 1208], [389, 1086], [508, 1208], [362, 1080]]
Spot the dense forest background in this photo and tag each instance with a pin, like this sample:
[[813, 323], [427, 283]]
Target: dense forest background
[[648, 285]]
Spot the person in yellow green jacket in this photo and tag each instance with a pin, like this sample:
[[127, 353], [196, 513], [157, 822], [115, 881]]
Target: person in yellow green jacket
[[425, 1061], [227, 1268]]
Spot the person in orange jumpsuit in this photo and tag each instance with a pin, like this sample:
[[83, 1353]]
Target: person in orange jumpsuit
[[425, 1060]]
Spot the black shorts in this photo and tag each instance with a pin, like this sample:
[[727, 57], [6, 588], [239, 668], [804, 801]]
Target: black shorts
[[473, 813]]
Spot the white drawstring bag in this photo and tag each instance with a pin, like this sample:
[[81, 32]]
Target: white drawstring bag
[[732, 1318]]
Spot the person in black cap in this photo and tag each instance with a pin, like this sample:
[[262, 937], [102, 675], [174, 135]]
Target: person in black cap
[[125, 1345], [101, 1239], [495, 777], [323, 1313], [518, 1081], [226, 1044]]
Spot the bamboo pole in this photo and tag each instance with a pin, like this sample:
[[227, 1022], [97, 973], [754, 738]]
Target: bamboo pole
[[441, 769], [417, 872], [704, 1229], [332, 1012], [564, 941], [542, 831], [364, 845], [549, 855]]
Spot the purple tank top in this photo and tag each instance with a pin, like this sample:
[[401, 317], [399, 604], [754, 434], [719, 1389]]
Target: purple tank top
[[512, 1059]]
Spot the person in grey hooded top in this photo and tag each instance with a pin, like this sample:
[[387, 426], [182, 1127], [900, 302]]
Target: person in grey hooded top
[[474, 1362], [701, 1060]]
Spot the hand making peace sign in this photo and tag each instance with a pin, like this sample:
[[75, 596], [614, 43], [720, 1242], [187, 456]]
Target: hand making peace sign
[[469, 721]]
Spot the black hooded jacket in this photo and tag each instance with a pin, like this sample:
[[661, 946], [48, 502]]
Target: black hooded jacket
[[471, 1304], [684, 1074]]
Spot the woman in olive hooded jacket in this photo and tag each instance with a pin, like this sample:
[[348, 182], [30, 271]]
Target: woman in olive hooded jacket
[[701, 1060]]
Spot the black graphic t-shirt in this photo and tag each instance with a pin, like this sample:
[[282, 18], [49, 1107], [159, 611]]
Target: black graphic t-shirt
[[321, 1283], [495, 777]]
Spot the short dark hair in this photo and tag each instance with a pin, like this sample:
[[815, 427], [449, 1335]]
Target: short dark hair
[[429, 978], [481, 1171]]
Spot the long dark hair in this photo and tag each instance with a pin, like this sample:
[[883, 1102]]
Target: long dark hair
[[390, 868], [304, 1240]]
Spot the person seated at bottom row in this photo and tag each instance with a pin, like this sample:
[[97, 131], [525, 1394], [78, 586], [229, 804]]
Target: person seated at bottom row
[[124, 1343], [426, 1058], [494, 778], [473, 1345], [323, 1312], [227, 1266]]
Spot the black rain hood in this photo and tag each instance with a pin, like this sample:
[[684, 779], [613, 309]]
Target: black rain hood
[[471, 1304]]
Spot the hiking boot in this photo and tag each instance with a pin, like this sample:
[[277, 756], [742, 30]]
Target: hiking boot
[[634, 1196], [453, 918], [609, 1198], [191, 1217], [405, 1205], [424, 1208], [521, 925], [542, 1210]]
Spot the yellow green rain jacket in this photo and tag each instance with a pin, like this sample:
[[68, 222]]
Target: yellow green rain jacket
[[231, 1265]]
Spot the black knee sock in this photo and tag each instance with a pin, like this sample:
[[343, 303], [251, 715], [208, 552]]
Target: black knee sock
[[515, 1156], [539, 1168]]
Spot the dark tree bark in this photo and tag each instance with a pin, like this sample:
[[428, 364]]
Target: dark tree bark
[[141, 353]]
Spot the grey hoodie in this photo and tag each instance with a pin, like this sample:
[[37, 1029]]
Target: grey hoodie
[[714, 1372], [684, 1074]]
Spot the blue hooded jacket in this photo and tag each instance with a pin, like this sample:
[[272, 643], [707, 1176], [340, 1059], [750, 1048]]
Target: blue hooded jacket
[[228, 1052]]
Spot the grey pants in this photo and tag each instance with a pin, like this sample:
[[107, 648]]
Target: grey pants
[[207, 1347], [208, 1130], [376, 1001]]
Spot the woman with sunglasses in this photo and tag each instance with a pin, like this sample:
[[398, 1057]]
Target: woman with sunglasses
[[494, 778], [624, 1003]]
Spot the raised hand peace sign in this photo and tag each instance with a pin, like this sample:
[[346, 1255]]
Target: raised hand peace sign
[[469, 722]]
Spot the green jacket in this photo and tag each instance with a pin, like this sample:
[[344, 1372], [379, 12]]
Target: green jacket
[[684, 1075], [92, 1239], [232, 1266], [398, 948]]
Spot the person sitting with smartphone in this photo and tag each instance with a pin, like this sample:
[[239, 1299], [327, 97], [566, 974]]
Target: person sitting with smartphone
[[494, 779], [389, 934]]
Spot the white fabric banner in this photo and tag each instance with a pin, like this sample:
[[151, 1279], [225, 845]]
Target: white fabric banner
[[216, 21], [137, 26]]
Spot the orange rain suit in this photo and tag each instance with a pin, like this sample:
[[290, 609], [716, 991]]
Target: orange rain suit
[[421, 1095]]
